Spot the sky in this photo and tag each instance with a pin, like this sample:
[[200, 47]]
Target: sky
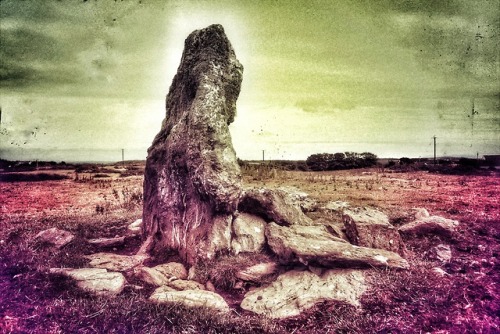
[[82, 80]]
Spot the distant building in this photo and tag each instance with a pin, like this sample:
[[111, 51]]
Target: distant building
[[492, 160]]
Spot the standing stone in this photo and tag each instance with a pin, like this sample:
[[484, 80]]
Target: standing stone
[[192, 175]]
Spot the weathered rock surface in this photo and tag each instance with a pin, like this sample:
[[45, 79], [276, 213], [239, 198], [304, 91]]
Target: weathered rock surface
[[257, 272], [430, 225], [300, 198], [190, 298], [115, 262], [107, 242], [421, 213], [55, 237], [275, 205], [192, 174], [220, 235], [336, 206], [248, 233], [441, 253], [181, 285], [314, 245], [371, 228], [162, 274], [94, 280], [296, 291]]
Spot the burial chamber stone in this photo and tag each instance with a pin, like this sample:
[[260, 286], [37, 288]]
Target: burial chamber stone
[[192, 175]]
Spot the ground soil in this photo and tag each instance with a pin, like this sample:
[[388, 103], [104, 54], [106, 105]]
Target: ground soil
[[465, 300]]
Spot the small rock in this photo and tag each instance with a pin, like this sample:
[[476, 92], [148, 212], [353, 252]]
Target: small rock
[[301, 199], [248, 233], [173, 269], [296, 291], [440, 272], [431, 224], [56, 237], [181, 285], [94, 280], [107, 242], [421, 213], [115, 262], [210, 286], [135, 227], [258, 271], [191, 298], [442, 253], [336, 206], [162, 274]]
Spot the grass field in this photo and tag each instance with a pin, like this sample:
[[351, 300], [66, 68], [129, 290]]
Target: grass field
[[465, 300]]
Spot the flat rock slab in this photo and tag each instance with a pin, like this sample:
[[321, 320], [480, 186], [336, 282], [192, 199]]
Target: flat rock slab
[[94, 280], [296, 291], [115, 262], [369, 227], [107, 242], [430, 225], [190, 298], [162, 274], [55, 237], [317, 248]]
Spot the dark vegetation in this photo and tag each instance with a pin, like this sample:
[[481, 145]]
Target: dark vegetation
[[31, 177], [336, 161]]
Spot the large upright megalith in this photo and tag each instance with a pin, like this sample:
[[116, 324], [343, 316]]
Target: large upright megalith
[[192, 177]]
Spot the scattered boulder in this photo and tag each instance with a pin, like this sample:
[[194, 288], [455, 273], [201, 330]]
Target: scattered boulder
[[430, 225], [336, 206], [192, 173], [190, 298], [55, 237], [249, 233], [421, 213], [300, 199], [162, 274], [296, 291], [275, 205], [441, 253], [257, 272], [371, 228], [316, 246], [115, 262], [135, 227], [94, 280], [107, 242]]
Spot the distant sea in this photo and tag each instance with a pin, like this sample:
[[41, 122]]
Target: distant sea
[[72, 155]]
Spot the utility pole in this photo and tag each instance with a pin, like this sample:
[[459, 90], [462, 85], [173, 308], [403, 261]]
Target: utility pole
[[434, 149], [263, 155], [123, 157]]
